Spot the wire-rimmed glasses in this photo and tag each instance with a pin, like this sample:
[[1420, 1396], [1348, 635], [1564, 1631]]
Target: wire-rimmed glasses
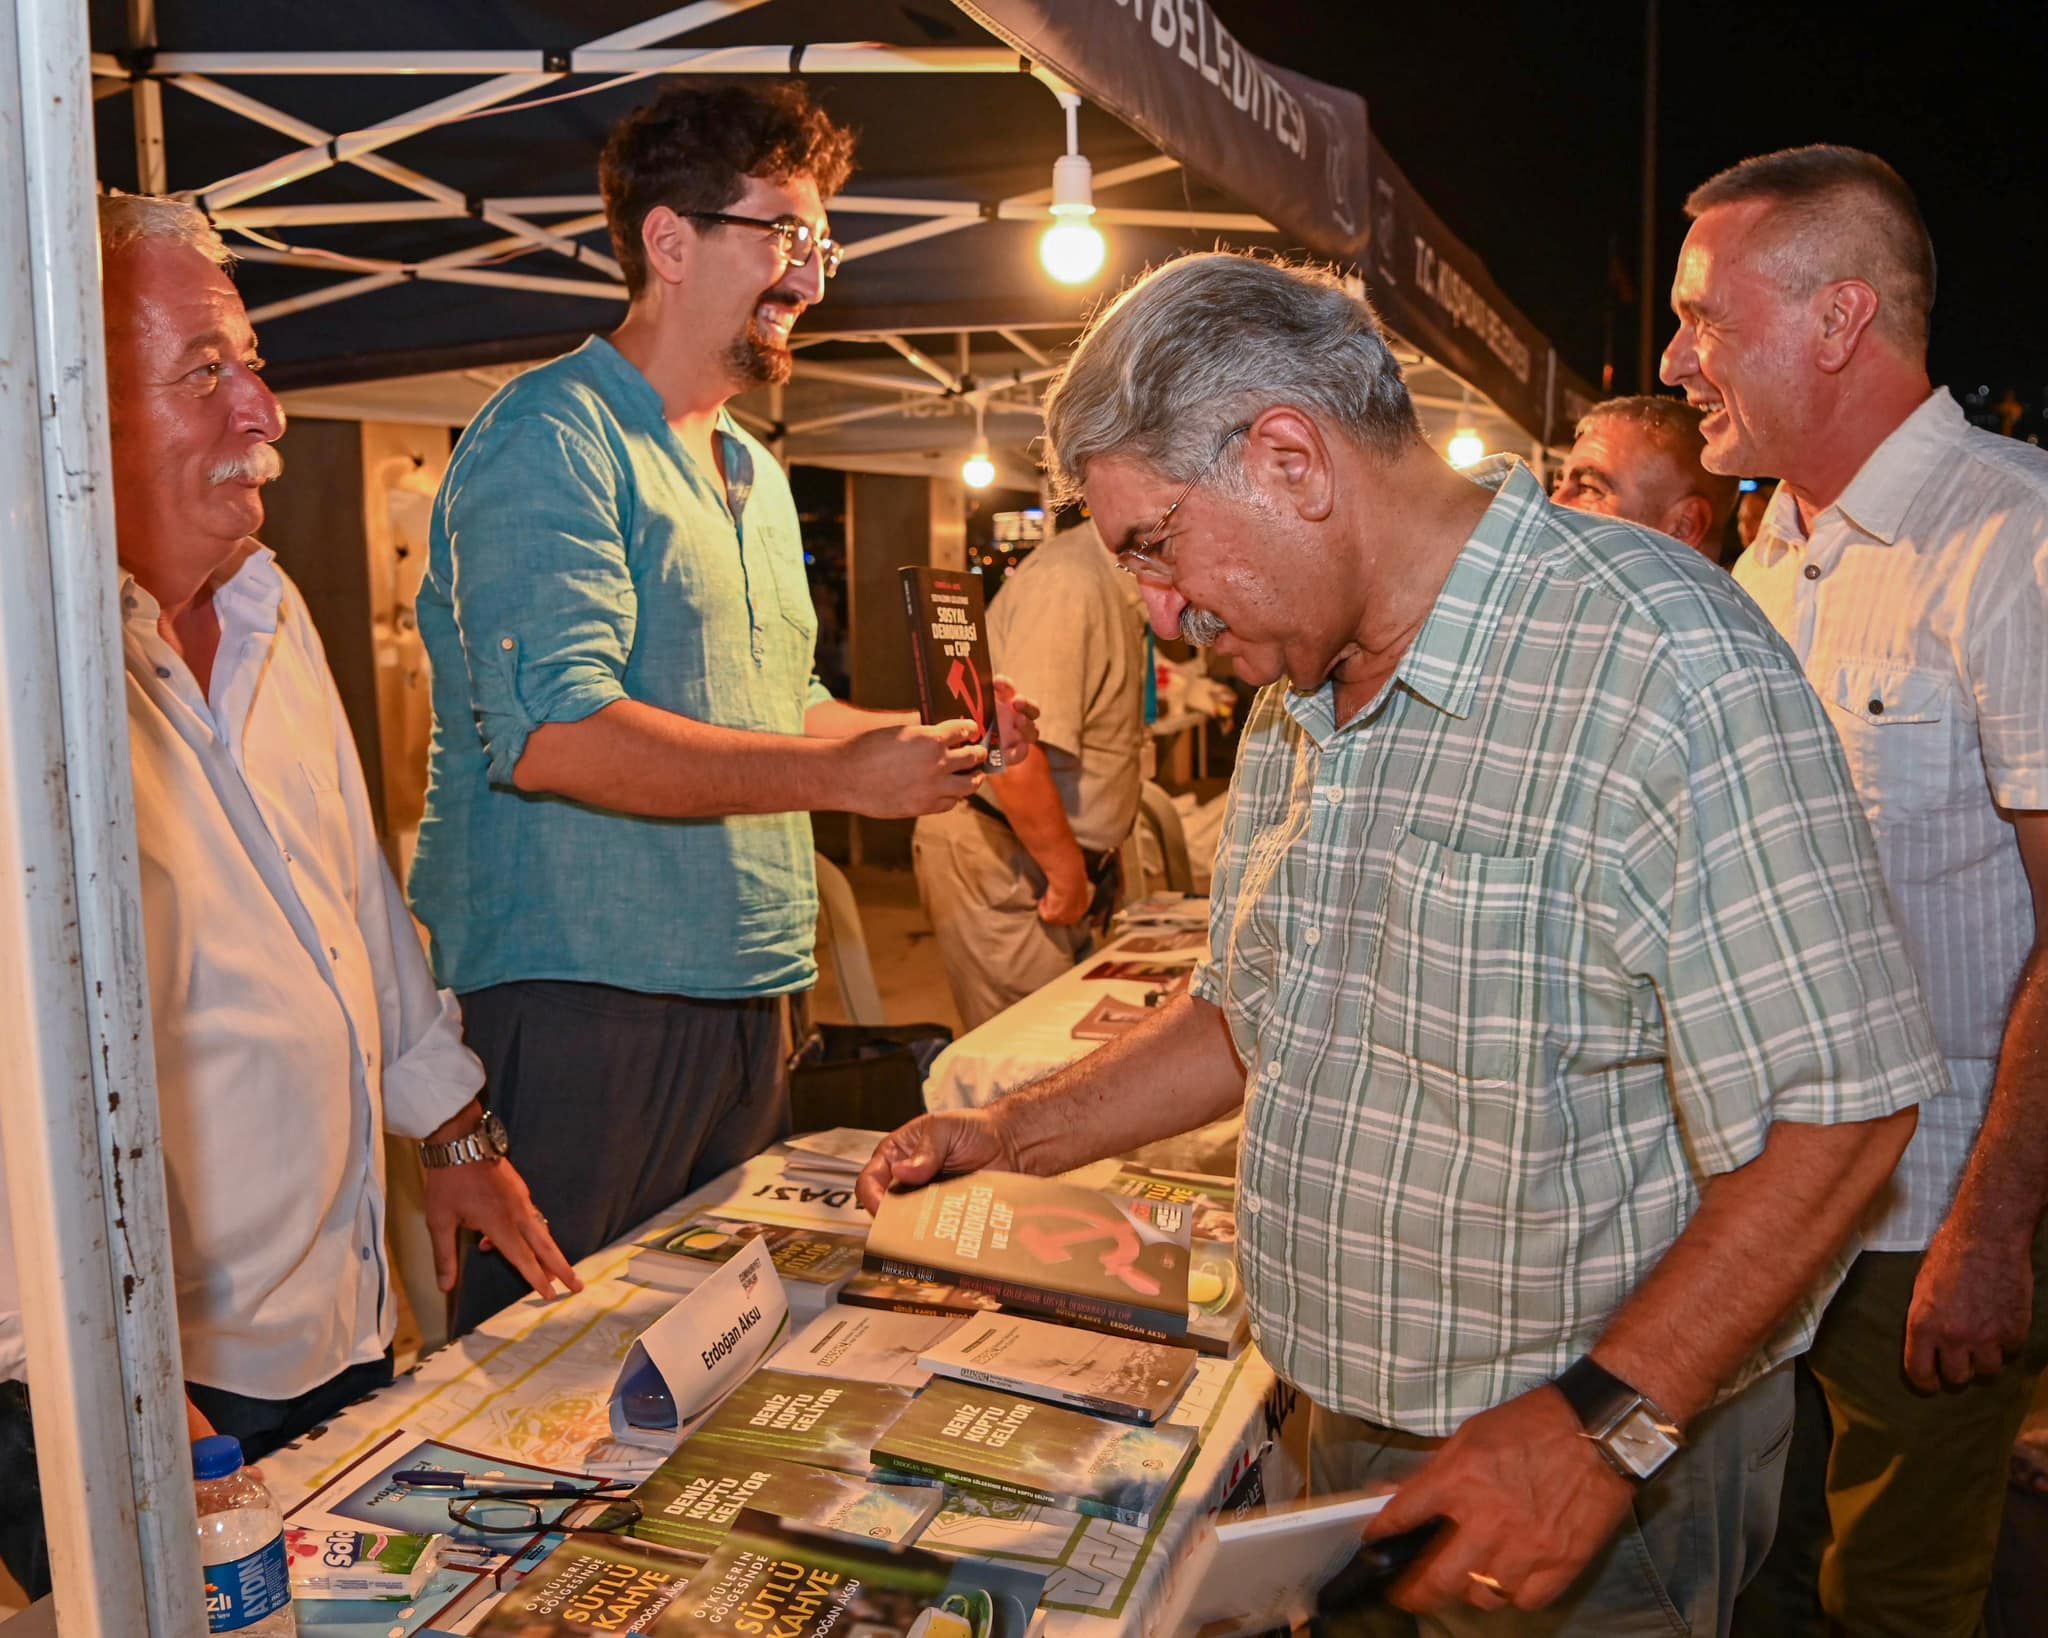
[[512, 1512], [1142, 558], [795, 239]]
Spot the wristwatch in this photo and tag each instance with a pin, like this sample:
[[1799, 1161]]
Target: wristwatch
[[1631, 1432], [490, 1141]]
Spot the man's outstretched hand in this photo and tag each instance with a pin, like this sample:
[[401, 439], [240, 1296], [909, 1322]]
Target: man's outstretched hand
[[965, 1140]]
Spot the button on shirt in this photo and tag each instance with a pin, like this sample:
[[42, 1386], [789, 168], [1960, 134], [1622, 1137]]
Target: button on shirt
[[294, 1016], [1919, 606], [1597, 907], [580, 557]]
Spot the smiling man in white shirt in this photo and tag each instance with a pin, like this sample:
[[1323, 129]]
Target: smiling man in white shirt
[[1905, 559], [294, 1017]]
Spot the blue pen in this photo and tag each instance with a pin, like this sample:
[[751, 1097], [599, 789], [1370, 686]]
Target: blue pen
[[434, 1478]]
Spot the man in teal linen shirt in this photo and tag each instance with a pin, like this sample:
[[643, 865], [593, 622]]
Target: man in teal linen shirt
[[1549, 961], [615, 863]]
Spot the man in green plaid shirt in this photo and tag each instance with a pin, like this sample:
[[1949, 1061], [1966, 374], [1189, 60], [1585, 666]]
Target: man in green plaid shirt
[[1549, 960]]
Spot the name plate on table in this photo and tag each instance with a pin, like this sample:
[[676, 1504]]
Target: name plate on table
[[683, 1364]]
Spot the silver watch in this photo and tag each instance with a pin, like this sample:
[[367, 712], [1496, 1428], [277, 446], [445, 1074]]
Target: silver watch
[[490, 1141], [1628, 1429]]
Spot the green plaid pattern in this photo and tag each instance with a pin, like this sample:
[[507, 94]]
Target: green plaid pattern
[[1550, 932]]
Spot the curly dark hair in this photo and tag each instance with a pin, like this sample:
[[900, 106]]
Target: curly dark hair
[[695, 146]]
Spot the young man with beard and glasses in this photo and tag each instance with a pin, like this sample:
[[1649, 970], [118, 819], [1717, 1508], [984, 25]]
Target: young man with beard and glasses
[[1550, 964], [294, 1018], [616, 862], [1639, 458], [1905, 558]]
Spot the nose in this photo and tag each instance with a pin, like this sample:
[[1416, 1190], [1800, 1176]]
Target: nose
[[257, 411], [808, 281], [1678, 360], [1163, 607]]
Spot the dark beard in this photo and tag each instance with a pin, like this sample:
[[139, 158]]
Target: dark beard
[[758, 363]]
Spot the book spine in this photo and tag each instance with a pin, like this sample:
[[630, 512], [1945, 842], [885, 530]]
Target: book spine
[[1095, 1404], [920, 645], [987, 1485]]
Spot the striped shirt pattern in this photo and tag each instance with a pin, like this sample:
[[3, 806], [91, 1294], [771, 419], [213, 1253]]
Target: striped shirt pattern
[[1534, 944], [1919, 606]]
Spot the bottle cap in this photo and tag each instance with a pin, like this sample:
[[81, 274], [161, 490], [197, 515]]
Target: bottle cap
[[216, 1456]]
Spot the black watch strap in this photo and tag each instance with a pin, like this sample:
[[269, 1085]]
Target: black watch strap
[[1595, 1394]]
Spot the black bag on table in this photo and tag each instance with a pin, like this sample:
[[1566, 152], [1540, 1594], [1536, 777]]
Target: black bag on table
[[867, 1075]]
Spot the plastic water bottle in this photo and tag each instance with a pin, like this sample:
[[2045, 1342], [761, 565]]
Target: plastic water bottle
[[241, 1545]]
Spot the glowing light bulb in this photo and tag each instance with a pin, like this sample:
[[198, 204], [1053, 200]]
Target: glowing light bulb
[[1466, 448], [1072, 250], [978, 471]]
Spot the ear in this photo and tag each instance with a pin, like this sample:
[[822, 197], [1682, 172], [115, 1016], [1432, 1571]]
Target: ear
[[1846, 308], [668, 241], [1688, 520], [1286, 454]]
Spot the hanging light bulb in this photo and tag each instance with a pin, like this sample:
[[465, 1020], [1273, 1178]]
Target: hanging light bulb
[[1466, 448], [978, 471], [1071, 250]]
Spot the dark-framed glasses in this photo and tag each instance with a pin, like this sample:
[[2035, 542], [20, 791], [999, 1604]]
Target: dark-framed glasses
[[1143, 558], [795, 239], [500, 1508]]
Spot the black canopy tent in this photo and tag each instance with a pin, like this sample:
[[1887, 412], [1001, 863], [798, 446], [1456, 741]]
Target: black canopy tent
[[401, 259]]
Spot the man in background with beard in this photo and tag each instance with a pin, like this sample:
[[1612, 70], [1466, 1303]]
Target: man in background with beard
[[615, 862]]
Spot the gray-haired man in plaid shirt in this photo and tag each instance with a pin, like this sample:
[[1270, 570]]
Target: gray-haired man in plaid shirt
[[1550, 962]]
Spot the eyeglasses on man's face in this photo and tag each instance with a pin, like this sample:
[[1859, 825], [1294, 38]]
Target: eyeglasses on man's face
[[1147, 557], [796, 242]]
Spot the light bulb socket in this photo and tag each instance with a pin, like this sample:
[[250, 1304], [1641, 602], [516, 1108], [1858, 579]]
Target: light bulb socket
[[1073, 186]]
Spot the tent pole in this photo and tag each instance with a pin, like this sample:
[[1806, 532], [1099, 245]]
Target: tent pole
[[151, 173], [313, 159], [249, 108], [91, 1230], [598, 58]]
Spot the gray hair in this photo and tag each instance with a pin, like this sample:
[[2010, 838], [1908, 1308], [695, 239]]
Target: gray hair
[[129, 218], [1207, 342], [1837, 213]]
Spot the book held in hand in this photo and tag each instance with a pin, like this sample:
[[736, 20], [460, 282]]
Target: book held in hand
[[769, 1577], [949, 651], [1044, 1247], [998, 1444], [1111, 1376], [1263, 1571]]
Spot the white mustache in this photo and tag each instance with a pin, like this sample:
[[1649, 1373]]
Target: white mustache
[[1200, 627], [261, 463]]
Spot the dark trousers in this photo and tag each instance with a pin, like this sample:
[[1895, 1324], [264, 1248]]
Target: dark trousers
[[618, 1104], [1890, 1521], [262, 1425]]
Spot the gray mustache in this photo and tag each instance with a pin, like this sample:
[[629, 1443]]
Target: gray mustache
[[1200, 627], [259, 464]]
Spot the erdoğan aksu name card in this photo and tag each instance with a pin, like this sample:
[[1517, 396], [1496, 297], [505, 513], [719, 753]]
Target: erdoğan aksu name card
[[701, 1349]]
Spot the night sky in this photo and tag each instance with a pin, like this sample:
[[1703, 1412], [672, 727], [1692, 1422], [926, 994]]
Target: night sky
[[1521, 125]]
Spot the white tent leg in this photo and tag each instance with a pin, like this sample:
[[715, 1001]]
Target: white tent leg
[[91, 1234], [151, 171]]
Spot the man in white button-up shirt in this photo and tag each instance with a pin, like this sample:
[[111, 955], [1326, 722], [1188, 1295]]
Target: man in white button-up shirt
[[1905, 558], [295, 1020]]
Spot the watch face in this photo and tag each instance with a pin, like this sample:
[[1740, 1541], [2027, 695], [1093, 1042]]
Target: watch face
[[494, 1131], [1641, 1445]]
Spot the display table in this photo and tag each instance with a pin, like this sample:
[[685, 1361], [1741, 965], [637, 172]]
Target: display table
[[1033, 1038], [533, 1383]]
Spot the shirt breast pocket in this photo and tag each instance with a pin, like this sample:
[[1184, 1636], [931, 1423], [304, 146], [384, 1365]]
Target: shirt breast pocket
[[1455, 976], [1898, 726]]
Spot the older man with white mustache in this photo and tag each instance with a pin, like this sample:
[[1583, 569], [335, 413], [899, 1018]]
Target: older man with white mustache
[[294, 1017]]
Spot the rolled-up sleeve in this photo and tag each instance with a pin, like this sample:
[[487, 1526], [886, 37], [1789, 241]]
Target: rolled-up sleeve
[[544, 604], [1750, 894]]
